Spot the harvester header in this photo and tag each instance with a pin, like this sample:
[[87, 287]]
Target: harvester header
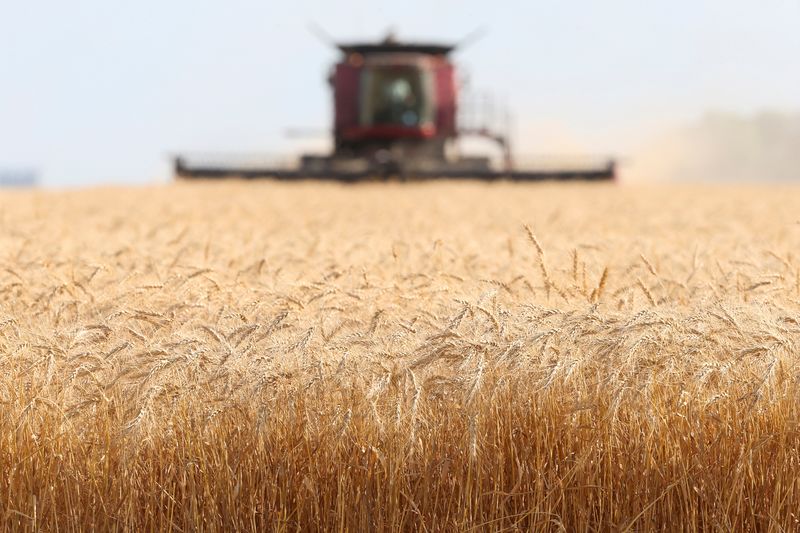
[[395, 116]]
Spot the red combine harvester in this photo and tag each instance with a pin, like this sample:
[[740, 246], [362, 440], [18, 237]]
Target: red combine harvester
[[395, 117]]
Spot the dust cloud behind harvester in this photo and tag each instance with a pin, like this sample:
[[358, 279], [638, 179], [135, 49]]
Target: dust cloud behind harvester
[[722, 147]]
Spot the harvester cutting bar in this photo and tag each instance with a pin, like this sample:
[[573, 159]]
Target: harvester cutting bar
[[209, 171]]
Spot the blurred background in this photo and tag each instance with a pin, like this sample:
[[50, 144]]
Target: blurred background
[[97, 92]]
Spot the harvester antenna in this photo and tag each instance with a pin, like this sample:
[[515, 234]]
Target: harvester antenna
[[391, 36], [318, 32], [472, 37]]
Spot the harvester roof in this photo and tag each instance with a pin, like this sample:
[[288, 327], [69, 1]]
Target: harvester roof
[[390, 46]]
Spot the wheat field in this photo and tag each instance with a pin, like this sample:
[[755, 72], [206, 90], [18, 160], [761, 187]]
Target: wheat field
[[401, 357]]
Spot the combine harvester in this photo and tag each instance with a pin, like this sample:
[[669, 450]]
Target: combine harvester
[[395, 117]]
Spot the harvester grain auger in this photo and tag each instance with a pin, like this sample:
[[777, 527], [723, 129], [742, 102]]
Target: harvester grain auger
[[395, 117]]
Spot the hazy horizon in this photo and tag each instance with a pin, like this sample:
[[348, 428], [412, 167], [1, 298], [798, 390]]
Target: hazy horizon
[[100, 94]]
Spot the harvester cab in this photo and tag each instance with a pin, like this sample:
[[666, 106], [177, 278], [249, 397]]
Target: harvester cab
[[395, 116], [394, 112]]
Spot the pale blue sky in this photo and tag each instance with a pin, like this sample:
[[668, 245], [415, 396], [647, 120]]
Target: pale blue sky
[[99, 91]]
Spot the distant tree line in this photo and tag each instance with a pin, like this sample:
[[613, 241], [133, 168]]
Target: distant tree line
[[18, 178]]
